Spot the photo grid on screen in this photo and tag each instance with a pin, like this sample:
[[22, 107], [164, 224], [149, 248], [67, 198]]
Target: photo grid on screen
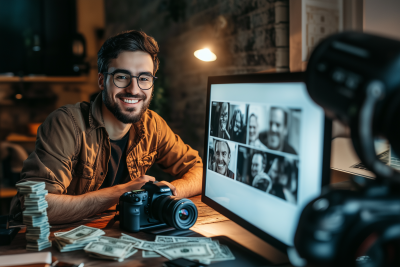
[[257, 145]]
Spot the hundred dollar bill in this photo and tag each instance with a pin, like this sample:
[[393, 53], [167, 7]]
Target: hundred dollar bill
[[35, 220], [150, 254], [65, 247], [37, 230], [175, 239], [34, 212], [30, 186], [108, 250], [221, 252], [117, 241], [186, 250], [80, 233], [40, 207], [142, 244], [34, 237], [35, 202], [38, 247], [39, 227], [36, 195]]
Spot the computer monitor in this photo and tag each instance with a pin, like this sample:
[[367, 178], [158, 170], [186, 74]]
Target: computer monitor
[[267, 152]]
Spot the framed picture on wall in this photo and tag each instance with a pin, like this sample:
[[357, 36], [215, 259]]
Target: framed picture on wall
[[310, 21]]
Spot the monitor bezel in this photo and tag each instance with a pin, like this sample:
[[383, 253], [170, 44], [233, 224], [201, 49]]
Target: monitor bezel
[[261, 78]]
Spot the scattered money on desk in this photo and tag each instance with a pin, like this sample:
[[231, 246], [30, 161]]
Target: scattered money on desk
[[203, 249], [35, 215], [77, 238], [96, 245]]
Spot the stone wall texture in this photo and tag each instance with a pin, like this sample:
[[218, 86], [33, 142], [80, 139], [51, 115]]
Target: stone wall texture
[[240, 32]]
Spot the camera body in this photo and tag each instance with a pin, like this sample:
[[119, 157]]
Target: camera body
[[341, 227], [153, 205]]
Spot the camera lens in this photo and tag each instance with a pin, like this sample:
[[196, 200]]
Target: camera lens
[[183, 214], [179, 213]]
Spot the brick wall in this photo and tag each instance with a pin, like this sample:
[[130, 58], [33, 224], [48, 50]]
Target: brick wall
[[240, 32]]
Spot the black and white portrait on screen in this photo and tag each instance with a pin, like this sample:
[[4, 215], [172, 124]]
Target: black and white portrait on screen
[[257, 122], [220, 112], [283, 130], [274, 174], [222, 157], [238, 123]]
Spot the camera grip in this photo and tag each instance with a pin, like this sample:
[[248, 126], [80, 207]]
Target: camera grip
[[132, 221]]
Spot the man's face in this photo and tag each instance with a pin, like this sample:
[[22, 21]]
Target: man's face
[[238, 124], [256, 165], [222, 157], [223, 119], [277, 129], [253, 128], [127, 104]]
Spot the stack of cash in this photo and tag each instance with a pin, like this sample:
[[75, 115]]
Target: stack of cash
[[35, 215], [203, 249], [77, 238], [110, 248]]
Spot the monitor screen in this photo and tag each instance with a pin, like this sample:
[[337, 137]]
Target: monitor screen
[[265, 151]]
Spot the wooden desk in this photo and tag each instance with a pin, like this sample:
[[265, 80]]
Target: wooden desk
[[209, 223], [106, 222]]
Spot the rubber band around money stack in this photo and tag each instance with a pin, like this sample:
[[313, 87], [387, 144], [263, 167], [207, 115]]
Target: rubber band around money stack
[[35, 215]]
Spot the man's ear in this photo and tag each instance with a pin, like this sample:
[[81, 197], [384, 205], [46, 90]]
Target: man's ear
[[101, 81]]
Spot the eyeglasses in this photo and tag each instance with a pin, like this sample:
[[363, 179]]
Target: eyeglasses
[[123, 80]]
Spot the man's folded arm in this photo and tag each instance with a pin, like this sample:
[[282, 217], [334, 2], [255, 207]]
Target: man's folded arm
[[179, 160], [67, 208]]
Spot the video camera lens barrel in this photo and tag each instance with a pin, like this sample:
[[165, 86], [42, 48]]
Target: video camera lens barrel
[[180, 213]]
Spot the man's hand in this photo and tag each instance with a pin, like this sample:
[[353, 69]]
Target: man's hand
[[173, 188], [138, 182]]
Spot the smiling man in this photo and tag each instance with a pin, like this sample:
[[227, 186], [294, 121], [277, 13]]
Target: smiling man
[[276, 138], [222, 154], [89, 154]]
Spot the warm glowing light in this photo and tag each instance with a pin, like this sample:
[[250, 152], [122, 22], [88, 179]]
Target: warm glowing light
[[18, 96], [205, 55]]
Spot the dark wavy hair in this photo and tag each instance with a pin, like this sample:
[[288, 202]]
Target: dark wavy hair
[[127, 41]]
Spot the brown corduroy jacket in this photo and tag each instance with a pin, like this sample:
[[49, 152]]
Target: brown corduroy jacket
[[73, 149]]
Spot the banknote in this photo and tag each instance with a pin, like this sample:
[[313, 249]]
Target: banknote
[[186, 250], [150, 254], [80, 233], [175, 239], [34, 212], [108, 250], [36, 195], [34, 237], [30, 186], [142, 244], [38, 247], [37, 207]]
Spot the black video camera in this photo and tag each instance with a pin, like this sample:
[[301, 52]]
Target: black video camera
[[154, 205], [355, 78], [347, 228]]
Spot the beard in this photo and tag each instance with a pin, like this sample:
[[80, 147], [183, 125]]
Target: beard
[[274, 140], [117, 111], [221, 169]]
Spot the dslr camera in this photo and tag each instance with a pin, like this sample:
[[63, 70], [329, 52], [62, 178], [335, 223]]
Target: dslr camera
[[154, 205]]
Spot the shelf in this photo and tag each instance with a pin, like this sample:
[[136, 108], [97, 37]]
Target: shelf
[[46, 79]]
